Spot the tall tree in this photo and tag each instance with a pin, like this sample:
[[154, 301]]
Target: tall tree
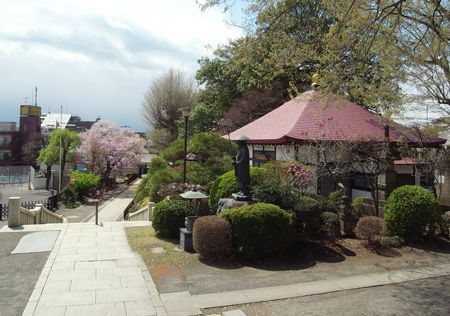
[[107, 149], [162, 105], [50, 155], [362, 49]]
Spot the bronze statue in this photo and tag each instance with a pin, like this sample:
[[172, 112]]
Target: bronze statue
[[242, 170]]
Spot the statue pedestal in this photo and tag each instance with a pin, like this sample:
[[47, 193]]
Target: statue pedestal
[[186, 240], [225, 204], [240, 197]]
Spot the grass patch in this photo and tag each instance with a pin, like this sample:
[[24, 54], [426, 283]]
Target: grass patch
[[143, 239]]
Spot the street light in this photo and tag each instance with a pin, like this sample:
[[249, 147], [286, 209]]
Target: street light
[[185, 111]]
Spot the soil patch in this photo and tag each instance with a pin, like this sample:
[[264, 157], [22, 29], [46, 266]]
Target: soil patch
[[308, 261]]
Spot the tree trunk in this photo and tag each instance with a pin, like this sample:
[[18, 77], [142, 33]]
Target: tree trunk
[[47, 177]]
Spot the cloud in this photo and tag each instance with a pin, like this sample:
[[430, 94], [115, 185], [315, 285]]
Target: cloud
[[99, 56]]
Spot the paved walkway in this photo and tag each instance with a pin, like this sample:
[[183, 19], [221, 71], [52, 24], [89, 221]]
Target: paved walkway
[[112, 210], [92, 270]]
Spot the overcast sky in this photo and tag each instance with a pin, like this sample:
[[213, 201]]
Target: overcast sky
[[97, 57]]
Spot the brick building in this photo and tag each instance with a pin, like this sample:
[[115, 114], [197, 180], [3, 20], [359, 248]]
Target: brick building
[[13, 140]]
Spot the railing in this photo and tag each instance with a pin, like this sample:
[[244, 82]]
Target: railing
[[144, 214], [3, 212], [51, 204], [27, 217], [19, 215]]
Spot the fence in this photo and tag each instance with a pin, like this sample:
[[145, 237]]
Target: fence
[[14, 174], [51, 204]]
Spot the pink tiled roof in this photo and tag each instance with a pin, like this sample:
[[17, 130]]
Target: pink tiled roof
[[315, 116]]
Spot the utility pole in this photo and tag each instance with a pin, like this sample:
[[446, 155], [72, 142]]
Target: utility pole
[[60, 153]]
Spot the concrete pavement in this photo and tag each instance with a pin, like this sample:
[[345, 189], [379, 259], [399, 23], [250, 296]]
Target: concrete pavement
[[113, 210], [91, 269]]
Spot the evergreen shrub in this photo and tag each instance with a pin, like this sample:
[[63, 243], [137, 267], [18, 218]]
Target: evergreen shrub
[[169, 216], [212, 237], [330, 225], [393, 241], [410, 211], [307, 216], [227, 184], [260, 229], [273, 191]]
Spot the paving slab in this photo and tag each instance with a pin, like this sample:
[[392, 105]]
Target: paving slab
[[36, 242], [179, 304], [80, 277]]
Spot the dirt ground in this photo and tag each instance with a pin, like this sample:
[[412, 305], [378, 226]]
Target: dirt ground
[[18, 274], [421, 297], [311, 261]]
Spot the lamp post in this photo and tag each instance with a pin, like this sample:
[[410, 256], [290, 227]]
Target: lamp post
[[185, 111]]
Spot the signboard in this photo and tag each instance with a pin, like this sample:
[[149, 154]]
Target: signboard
[[30, 110]]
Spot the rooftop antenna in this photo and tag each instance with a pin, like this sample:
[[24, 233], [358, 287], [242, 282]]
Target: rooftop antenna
[[25, 100], [35, 98]]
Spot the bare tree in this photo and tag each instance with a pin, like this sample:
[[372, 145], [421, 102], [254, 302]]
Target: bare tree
[[432, 162], [371, 158], [163, 100]]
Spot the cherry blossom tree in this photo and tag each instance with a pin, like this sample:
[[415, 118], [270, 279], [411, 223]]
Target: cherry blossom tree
[[107, 149]]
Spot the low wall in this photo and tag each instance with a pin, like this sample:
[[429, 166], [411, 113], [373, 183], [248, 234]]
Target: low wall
[[18, 215], [144, 214]]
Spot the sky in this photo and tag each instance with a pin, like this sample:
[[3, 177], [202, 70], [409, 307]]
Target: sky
[[97, 57]]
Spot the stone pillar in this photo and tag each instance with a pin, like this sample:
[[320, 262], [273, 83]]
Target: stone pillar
[[387, 182], [13, 211], [150, 205], [345, 215]]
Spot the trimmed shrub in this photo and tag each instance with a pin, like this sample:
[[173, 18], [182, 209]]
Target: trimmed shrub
[[370, 228], [260, 229], [169, 216], [330, 226], [307, 216], [227, 184], [212, 237], [276, 192], [393, 241], [412, 210]]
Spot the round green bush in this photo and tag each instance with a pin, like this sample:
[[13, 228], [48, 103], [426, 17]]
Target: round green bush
[[227, 184], [260, 229], [169, 216], [211, 237], [410, 210]]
